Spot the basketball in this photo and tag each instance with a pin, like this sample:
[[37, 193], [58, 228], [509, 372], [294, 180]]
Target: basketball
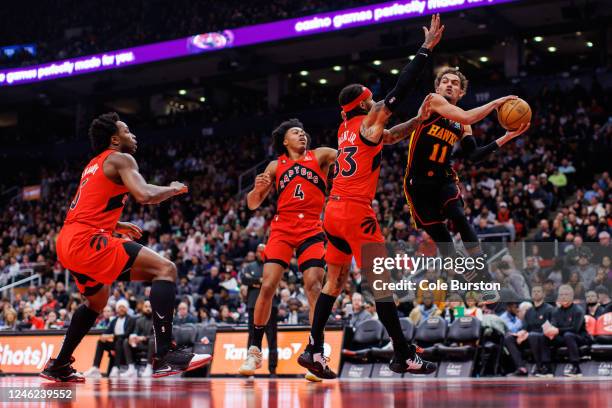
[[512, 114]]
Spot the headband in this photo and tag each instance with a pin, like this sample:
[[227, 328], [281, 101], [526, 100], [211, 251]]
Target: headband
[[353, 104]]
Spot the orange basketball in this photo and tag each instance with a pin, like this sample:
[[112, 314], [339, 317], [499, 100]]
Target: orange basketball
[[512, 114]]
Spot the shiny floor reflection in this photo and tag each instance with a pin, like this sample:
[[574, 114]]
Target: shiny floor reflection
[[289, 393]]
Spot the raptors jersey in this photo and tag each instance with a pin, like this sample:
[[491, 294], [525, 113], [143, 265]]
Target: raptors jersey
[[98, 201], [358, 164], [430, 148], [301, 186]]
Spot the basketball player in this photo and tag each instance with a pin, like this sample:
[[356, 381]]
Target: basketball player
[[299, 176], [86, 246], [350, 222], [430, 183]]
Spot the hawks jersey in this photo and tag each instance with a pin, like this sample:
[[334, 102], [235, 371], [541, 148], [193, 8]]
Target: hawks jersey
[[430, 148], [300, 185], [98, 201], [358, 165]]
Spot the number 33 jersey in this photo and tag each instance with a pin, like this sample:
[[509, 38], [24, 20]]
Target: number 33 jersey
[[357, 168], [301, 187]]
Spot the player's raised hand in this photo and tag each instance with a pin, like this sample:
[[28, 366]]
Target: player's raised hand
[[262, 182], [433, 35], [133, 231], [179, 188], [425, 109], [500, 101]]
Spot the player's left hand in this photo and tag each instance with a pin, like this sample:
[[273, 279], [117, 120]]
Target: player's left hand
[[425, 109], [133, 231]]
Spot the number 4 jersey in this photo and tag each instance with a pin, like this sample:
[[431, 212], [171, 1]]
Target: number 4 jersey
[[301, 187]]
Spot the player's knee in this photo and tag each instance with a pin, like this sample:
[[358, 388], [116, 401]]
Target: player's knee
[[332, 289], [267, 290], [168, 271], [312, 287]]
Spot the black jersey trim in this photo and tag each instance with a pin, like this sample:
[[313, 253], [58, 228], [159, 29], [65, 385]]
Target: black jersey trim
[[320, 183]]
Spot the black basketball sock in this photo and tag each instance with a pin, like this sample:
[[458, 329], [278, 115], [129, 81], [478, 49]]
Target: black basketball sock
[[82, 320], [163, 294], [258, 333], [387, 314], [323, 309]]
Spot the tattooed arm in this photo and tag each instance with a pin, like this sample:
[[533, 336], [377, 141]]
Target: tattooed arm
[[403, 130]]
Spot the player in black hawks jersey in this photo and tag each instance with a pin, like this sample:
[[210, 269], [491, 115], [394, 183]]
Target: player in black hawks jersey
[[430, 184]]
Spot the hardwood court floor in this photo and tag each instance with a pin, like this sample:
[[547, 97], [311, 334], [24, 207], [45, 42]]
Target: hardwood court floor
[[289, 393]]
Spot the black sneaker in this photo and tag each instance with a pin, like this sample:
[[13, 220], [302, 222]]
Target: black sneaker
[[177, 361], [544, 371], [316, 363], [574, 371], [520, 372], [61, 373], [413, 365]]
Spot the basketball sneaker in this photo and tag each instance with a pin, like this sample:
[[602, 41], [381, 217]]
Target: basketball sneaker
[[252, 362], [316, 363], [61, 373], [413, 365], [177, 361]]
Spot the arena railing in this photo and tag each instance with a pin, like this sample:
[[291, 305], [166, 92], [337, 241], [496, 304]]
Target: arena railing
[[14, 284]]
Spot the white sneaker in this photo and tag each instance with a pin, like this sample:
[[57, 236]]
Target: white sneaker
[[130, 373], [93, 372], [252, 362], [114, 373], [147, 372]]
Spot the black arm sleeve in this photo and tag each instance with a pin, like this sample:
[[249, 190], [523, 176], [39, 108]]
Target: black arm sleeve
[[470, 150], [407, 79]]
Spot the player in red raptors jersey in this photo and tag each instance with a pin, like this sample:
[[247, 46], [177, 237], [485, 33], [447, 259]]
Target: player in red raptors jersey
[[430, 183], [349, 222], [86, 246], [300, 177]]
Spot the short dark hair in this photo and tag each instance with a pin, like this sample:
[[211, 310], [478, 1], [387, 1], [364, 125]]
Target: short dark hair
[[462, 79], [278, 135], [602, 290], [101, 130], [348, 94]]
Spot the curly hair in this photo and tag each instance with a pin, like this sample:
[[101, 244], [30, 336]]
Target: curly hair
[[462, 79], [101, 130], [278, 135]]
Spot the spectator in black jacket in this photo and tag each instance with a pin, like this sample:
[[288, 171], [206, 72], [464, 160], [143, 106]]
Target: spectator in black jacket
[[183, 316], [603, 296], [566, 328], [211, 281], [142, 339], [251, 275], [534, 318], [112, 340]]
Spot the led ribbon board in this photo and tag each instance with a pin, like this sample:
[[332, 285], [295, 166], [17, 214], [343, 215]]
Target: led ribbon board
[[239, 37]]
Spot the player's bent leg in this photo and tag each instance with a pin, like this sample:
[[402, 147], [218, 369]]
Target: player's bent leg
[[272, 274], [313, 283], [150, 266], [60, 369], [313, 357], [454, 211]]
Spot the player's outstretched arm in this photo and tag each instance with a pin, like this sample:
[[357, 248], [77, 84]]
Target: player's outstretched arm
[[443, 107], [374, 124], [403, 130], [325, 156], [471, 151], [262, 187], [144, 193]]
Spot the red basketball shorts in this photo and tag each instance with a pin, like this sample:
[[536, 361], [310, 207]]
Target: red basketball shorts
[[289, 234], [94, 257], [349, 225]]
